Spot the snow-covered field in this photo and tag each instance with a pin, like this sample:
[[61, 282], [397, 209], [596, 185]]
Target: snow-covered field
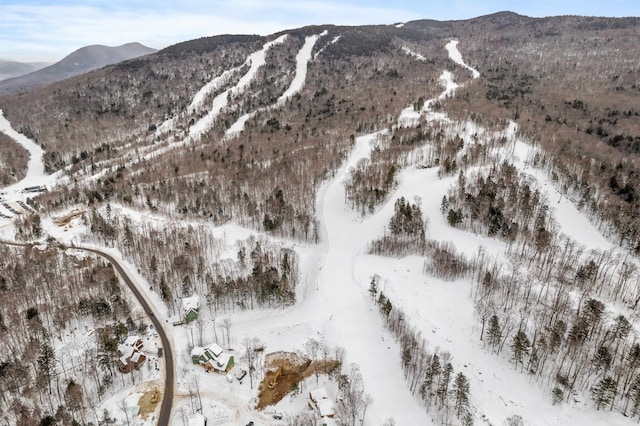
[[333, 300]]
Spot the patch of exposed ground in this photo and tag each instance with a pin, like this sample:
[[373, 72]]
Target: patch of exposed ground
[[66, 219], [284, 370], [147, 406]]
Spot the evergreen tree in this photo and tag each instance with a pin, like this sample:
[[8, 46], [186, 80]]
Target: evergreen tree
[[46, 363], [444, 204], [373, 287], [461, 395], [387, 308], [431, 376], [495, 333], [454, 217], [520, 347], [602, 359], [557, 395], [603, 392], [445, 381]]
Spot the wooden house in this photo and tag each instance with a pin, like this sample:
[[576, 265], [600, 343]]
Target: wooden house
[[131, 356]]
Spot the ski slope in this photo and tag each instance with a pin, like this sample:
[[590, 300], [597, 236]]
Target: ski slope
[[302, 61], [333, 300], [35, 168]]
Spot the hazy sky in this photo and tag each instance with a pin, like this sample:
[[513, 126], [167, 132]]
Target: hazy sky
[[47, 30]]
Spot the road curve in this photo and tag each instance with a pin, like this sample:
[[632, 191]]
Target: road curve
[[167, 398], [164, 417]]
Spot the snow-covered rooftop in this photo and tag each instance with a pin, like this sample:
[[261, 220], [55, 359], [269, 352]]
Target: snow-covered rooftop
[[197, 420], [318, 394], [215, 349], [131, 340], [192, 302]]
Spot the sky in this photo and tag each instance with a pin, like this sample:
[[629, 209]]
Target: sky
[[48, 30]]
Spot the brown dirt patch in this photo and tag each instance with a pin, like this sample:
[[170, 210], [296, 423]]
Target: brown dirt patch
[[146, 406], [66, 219], [293, 369]]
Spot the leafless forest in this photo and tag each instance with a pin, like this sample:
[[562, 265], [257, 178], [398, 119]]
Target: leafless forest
[[13, 161], [570, 83], [57, 299]]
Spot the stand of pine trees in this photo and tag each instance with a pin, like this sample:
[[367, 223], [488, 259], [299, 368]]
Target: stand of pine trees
[[429, 375]]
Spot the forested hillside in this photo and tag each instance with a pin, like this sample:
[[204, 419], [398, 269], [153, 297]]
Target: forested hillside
[[60, 322], [477, 168]]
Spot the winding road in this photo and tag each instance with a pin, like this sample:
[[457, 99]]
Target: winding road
[[164, 416]]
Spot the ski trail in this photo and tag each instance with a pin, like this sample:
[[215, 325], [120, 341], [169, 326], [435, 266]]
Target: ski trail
[[35, 166], [255, 61], [358, 325], [333, 41], [456, 56], [416, 55], [197, 101], [302, 61], [338, 303]]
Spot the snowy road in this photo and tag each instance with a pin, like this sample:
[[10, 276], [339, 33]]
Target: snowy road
[[164, 416]]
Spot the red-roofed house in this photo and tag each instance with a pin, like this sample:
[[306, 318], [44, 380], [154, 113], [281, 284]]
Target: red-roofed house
[[131, 355]]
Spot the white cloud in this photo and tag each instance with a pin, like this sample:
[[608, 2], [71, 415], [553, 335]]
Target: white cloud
[[37, 32], [40, 30]]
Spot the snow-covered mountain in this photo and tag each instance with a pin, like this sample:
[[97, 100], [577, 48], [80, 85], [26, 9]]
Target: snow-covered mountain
[[446, 209]]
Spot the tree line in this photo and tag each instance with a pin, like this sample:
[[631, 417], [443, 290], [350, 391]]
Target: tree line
[[52, 370], [430, 375]]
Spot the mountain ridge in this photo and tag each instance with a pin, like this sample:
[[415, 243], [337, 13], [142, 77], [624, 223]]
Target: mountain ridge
[[10, 69], [506, 146], [80, 61]]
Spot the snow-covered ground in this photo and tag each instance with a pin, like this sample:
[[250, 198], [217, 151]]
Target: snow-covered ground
[[456, 56], [302, 61], [334, 304], [12, 195], [35, 171]]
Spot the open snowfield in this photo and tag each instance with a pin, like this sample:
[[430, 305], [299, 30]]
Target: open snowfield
[[333, 303]]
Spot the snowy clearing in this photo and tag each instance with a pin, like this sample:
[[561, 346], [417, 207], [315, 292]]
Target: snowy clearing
[[333, 301]]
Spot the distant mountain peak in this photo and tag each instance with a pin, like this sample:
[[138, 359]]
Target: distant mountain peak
[[10, 69], [82, 60]]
